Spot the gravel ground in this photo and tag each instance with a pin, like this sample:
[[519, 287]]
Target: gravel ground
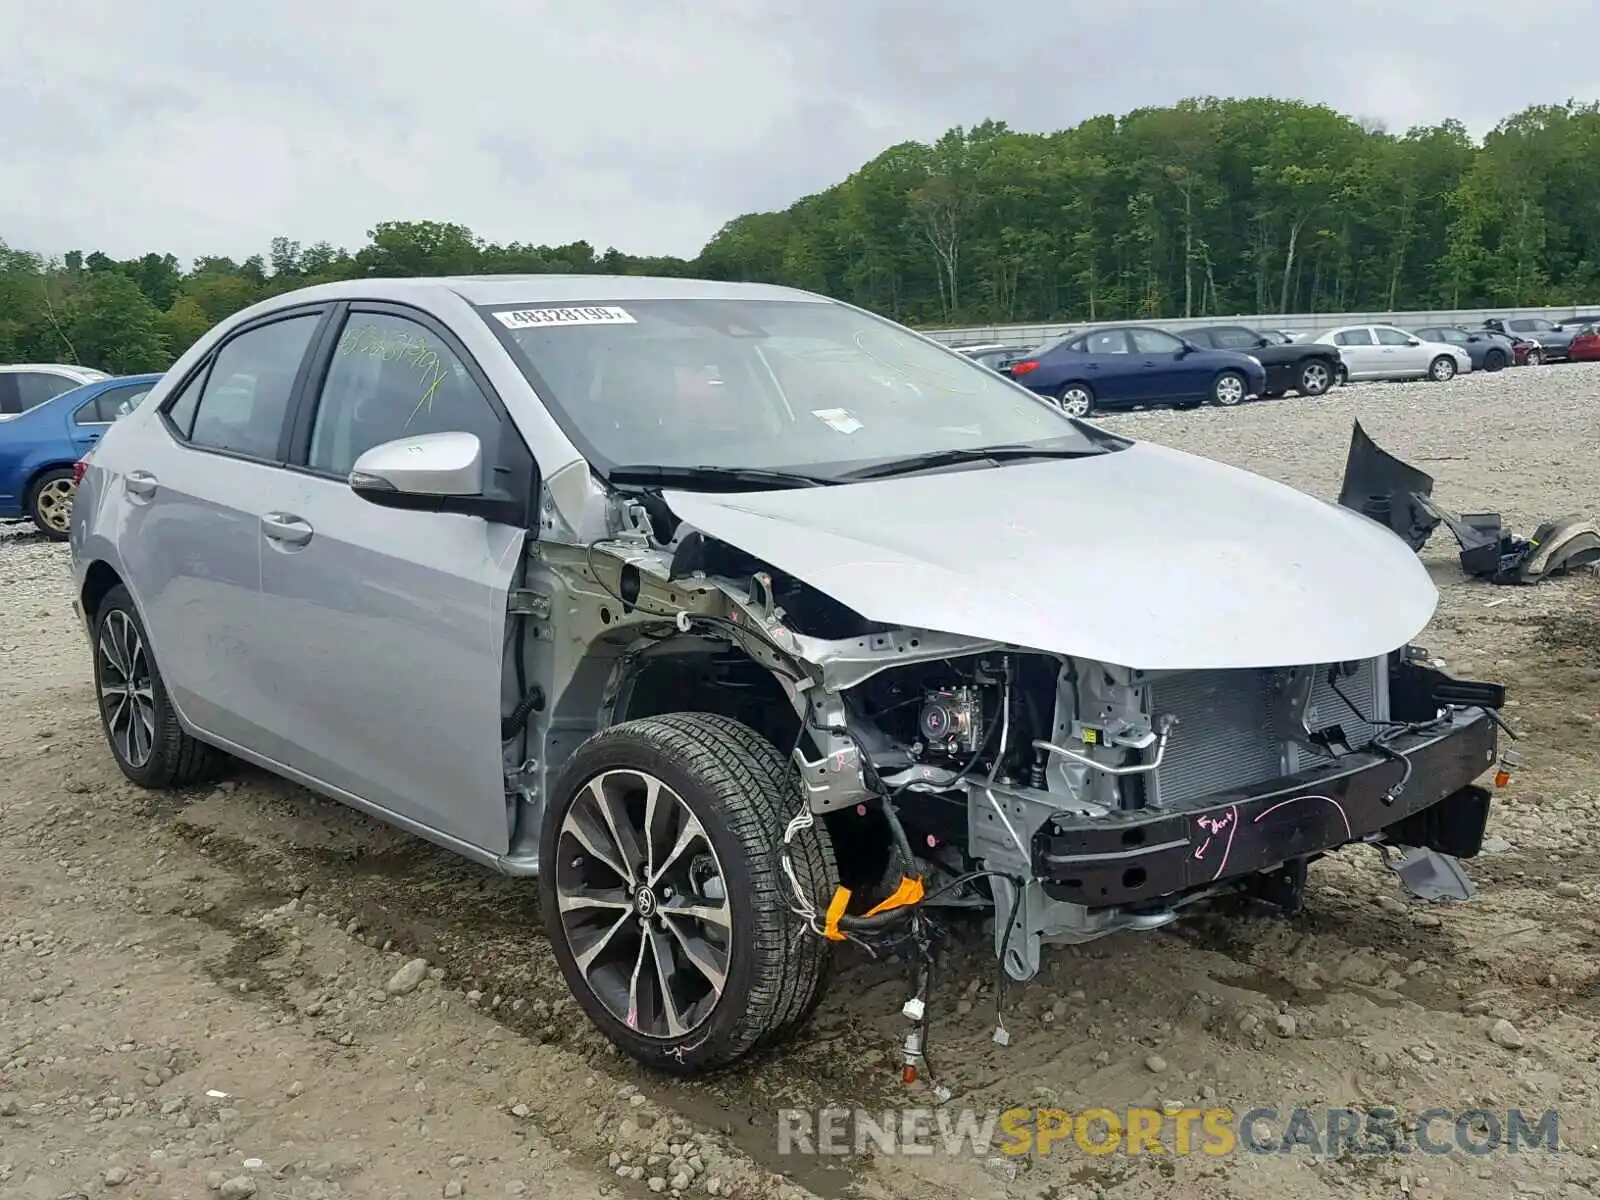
[[204, 993]]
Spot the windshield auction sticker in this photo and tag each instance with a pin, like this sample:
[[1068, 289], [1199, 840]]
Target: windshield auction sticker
[[534, 318]]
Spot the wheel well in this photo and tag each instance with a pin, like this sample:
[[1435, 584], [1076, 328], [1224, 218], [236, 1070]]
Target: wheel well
[[97, 582], [39, 473], [730, 684]]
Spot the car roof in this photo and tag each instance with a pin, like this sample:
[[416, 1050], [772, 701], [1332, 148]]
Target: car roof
[[77, 372], [490, 290]]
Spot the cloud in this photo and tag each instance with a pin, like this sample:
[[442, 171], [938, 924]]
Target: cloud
[[644, 124]]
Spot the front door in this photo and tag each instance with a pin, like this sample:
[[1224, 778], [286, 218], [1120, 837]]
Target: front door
[[1166, 372], [389, 626], [1401, 354]]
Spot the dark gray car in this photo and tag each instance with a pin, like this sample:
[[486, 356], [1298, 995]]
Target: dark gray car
[[1489, 349], [1554, 342]]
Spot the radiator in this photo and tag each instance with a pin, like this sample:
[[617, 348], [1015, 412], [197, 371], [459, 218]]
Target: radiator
[[1225, 737]]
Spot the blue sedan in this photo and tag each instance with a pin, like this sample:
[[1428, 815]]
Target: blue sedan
[[1134, 365], [39, 447]]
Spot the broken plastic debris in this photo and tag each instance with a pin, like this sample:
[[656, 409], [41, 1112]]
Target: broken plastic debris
[[913, 1009], [216, 1095]]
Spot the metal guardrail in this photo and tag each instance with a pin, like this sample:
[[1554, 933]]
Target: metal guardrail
[[1298, 323]]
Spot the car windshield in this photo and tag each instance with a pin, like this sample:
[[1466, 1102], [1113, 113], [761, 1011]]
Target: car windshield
[[800, 386]]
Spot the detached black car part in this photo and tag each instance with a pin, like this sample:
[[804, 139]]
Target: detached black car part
[[1396, 494]]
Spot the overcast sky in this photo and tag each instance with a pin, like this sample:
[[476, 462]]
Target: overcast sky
[[207, 128]]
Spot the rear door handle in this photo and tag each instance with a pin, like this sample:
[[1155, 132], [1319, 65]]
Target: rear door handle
[[140, 484], [286, 528]]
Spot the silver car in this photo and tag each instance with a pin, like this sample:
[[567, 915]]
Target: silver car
[[748, 623]]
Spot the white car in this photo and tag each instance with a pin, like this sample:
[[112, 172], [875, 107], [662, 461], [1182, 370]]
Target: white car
[[1384, 352]]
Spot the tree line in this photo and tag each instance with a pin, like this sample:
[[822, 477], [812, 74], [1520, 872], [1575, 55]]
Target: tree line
[[1207, 207]]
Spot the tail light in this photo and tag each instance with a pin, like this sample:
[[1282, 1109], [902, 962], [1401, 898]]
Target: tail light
[[1023, 367], [79, 467]]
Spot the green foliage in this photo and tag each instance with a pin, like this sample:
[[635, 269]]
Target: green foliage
[[1209, 207]]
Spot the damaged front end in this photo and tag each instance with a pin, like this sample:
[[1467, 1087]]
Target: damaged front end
[[1074, 797]]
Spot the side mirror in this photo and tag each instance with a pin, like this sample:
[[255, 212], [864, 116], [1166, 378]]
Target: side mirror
[[1414, 341], [1186, 349], [431, 472]]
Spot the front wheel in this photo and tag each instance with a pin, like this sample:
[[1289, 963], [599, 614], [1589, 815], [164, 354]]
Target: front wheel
[[1494, 361], [1076, 399], [1228, 389], [1443, 369], [50, 503], [664, 893], [1536, 357], [1316, 377]]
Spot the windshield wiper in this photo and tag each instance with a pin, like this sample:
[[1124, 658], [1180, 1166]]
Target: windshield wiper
[[732, 478], [1009, 452]]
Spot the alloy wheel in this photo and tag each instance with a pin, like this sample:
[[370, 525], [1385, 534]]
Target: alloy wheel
[[127, 692], [1228, 390], [1443, 369], [1315, 379], [1075, 402], [53, 503], [643, 904]]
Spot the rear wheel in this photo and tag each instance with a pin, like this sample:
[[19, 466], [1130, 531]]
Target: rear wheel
[[141, 726], [1228, 389], [1076, 399], [664, 895], [1316, 377], [50, 503], [1442, 369]]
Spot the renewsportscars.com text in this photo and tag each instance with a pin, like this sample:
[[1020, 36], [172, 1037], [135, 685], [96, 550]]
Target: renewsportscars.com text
[[1172, 1131]]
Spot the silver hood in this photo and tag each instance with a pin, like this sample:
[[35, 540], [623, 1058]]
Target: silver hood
[[1144, 557]]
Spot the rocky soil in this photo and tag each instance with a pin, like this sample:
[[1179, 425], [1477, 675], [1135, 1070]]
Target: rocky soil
[[246, 991]]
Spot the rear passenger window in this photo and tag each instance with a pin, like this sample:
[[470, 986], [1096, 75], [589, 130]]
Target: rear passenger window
[[391, 377], [245, 397], [35, 387]]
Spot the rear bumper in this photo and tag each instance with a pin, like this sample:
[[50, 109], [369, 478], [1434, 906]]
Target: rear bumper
[[1144, 855]]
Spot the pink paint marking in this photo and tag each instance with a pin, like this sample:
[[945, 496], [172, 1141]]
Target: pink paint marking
[[1214, 826], [1343, 816]]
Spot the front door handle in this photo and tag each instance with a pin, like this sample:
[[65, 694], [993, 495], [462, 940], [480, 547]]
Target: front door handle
[[286, 528], [139, 484]]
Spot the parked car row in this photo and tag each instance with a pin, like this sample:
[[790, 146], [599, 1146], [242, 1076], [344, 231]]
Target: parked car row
[[1129, 366]]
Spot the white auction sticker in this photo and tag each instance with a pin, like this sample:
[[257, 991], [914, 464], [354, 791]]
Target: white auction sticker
[[837, 419], [533, 318]]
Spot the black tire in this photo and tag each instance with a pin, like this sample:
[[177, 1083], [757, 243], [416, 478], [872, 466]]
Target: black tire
[[1494, 361], [1076, 399], [175, 759], [1342, 375], [53, 490], [1228, 389], [1442, 369], [743, 794], [1316, 377]]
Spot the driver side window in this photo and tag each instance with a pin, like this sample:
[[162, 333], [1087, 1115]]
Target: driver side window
[[392, 377]]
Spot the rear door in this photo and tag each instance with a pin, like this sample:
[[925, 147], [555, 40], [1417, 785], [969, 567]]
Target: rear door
[[193, 481], [1111, 368], [388, 626], [1360, 352], [91, 419]]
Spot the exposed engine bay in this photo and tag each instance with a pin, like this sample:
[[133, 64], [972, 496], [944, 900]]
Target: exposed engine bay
[[1073, 797]]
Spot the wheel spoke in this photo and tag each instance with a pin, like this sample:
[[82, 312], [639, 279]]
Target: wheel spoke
[[595, 948], [691, 832], [622, 834], [652, 793], [588, 901], [661, 951], [696, 951], [633, 983], [710, 914], [597, 842]]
